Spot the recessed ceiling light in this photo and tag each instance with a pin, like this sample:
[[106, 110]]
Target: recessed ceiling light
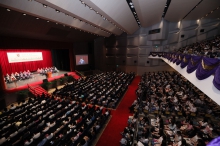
[[24, 14], [44, 5], [97, 12], [37, 18], [8, 10]]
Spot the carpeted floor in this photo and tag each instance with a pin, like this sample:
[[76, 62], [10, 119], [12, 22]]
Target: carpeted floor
[[111, 135]]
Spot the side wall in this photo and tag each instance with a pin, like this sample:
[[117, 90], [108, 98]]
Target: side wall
[[130, 52]]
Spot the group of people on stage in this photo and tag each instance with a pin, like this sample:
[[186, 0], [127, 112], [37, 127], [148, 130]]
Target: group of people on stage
[[18, 76], [44, 71]]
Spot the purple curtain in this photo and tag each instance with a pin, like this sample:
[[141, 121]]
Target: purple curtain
[[185, 61], [207, 67], [216, 80], [179, 59], [193, 63], [175, 58], [172, 57], [215, 142]]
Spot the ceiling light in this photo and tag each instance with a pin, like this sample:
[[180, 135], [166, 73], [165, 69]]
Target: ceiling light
[[57, 11], [8, 10], [44, 5], [130, 3], [83, 2], [132, 6], [56, 23], [37, 18], [90, 8], [48, 21], [97, 12], [24, 14]]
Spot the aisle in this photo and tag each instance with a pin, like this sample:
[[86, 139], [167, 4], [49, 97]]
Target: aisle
[[111, 136]]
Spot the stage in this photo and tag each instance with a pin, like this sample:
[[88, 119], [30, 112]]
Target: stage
[[37, 79]]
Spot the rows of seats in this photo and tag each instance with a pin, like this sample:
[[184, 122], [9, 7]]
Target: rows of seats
[[44, 71], [18, 76], [105, 89], [47, 121], [208, 48], [184, 115]]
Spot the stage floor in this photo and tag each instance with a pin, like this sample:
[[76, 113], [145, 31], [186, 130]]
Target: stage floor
[[36, 78]]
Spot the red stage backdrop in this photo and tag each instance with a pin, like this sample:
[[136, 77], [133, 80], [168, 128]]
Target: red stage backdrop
[[24, 66]]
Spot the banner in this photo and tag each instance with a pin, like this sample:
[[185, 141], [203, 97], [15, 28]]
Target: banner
[[24, 57]]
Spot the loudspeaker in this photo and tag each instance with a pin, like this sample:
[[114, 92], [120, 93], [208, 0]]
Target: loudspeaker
[[65, 74], [45, 80], [202, 30]]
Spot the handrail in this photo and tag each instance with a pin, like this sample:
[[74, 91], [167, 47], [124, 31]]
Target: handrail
[[79, 73]]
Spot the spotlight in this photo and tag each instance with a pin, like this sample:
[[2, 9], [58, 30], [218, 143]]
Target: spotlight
[[24, 14], [97, 12], [130, 3], [48, 21], [37, 18], [83, 2], [90, 8], [44, 5], [8, 10], [57, 11]]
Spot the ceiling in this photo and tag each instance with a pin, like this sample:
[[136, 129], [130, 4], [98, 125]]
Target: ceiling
[[77, 20]]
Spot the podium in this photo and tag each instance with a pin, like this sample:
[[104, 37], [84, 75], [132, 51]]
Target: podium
[[49, 74]]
